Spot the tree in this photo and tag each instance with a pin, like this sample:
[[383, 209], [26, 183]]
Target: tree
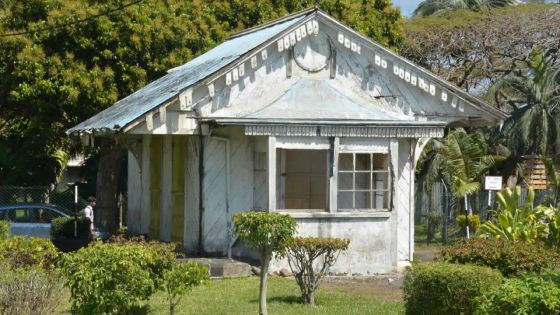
[[181, 279], [534, 93], [268, 233], [63, 61], [473, 50], [429, 7]]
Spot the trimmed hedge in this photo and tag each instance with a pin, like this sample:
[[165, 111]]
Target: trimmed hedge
[[63, 228], [533, 294], [442, 288], [4, 230], [24, 252], [511, 258]]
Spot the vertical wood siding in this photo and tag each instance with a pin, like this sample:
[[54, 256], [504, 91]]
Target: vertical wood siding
[[178, 188], [155, 185]]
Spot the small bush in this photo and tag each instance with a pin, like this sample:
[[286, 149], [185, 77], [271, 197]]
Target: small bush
[[181, 279], [534, 294], [441, 288], [474, 223], [303, 253], [113, 278], [509, 257], [63, 228], [4, 230], [21, 252], [27, 290], [434, 220]]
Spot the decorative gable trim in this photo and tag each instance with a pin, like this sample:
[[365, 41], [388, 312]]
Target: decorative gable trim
[[345, 131]]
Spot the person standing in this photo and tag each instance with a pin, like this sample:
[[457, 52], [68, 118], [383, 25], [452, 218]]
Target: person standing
[[88, 213]]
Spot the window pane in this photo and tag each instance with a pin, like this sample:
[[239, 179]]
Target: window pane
[[380, 181], [345, 162], [363, 200], [303, 179], [363, 162], [345, 181], [25, 215], [345, 199], [363, 181], [381, 200], [380, 161]]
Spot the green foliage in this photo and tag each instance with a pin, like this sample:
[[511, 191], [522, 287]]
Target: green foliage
[[28, 290], [434, 220], [509, 257], [518, 222], [429, 7], [68, 65], [532, 294], [270, 231], [303, 253], [23, 252], [112, 278], [442, 288], [4, 230], [474, 222], [63, 228], [181, 279]]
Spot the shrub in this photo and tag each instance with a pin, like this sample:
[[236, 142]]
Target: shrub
[[169, 251], [21, 252], [442, 288], [27, 290], [474, 223], [534, 294], [181, 279], [511, 258], [4, 230], [112, 278], [269, 233], [302, 255], [63, 228]]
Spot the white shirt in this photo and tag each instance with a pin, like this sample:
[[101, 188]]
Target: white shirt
[[88, 213]]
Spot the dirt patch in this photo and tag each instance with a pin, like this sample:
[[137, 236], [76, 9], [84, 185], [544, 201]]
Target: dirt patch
[[427, 253], [386, 289]]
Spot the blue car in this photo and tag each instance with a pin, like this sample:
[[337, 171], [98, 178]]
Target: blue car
[[34, 219]]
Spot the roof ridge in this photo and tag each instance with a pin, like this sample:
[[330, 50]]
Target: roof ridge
[[273, 22]]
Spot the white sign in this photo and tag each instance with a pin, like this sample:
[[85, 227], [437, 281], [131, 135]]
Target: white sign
[[493, 183]]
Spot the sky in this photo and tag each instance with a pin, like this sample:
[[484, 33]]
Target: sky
[[407, 6]]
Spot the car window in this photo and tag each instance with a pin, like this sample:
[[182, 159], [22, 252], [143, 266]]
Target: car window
[[47, 215], [4, 215], [24, 215]]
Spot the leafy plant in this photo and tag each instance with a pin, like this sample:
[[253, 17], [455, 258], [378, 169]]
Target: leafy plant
[[554, 178], [303, 253], [181, 279], [517, 222], [531, 294], [63, 228], [4, 230], [511, 258], [22, 252], [474, 222], [442, 288], [28, 290], [268, 233], [112, 278]]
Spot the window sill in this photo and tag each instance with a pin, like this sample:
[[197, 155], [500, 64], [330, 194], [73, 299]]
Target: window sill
[[328, 215]]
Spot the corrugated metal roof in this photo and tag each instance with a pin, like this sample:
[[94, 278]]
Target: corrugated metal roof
[[165, 88]]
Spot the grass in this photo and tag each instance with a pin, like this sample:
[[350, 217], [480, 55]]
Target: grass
[[240, 296]]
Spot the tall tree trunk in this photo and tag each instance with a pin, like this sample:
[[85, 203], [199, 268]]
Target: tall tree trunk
[[111, 158], [265, 261], [446, 212]]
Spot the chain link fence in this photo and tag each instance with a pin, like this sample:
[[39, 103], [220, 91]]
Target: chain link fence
[[40, 194]]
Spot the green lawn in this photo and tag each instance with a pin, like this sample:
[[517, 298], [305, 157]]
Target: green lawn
[[240, 296]]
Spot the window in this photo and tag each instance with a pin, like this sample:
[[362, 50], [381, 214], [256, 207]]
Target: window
[[33, 215], [303, 179], [363, 181]]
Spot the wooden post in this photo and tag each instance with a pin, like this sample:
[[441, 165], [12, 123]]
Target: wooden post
[[271, 173]]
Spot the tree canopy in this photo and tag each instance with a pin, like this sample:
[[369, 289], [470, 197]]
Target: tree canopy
[[429, 7], [64, 60]]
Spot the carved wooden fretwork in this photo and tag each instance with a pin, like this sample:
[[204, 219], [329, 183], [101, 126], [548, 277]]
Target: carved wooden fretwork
[[345, 131]]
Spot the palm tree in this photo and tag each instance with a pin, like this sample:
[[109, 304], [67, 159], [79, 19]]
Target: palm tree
[[534, 93], [430, 7], [459, 162]]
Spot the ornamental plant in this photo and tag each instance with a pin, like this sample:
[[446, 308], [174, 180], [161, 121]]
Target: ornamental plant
[[303, 254], [24, 252], [182, 279], [112, 278], [4, 230], [269, 233]]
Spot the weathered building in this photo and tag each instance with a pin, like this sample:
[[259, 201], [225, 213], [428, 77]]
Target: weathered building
[[303, 116]]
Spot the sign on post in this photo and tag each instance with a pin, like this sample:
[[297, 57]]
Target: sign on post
[[493, 183]]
